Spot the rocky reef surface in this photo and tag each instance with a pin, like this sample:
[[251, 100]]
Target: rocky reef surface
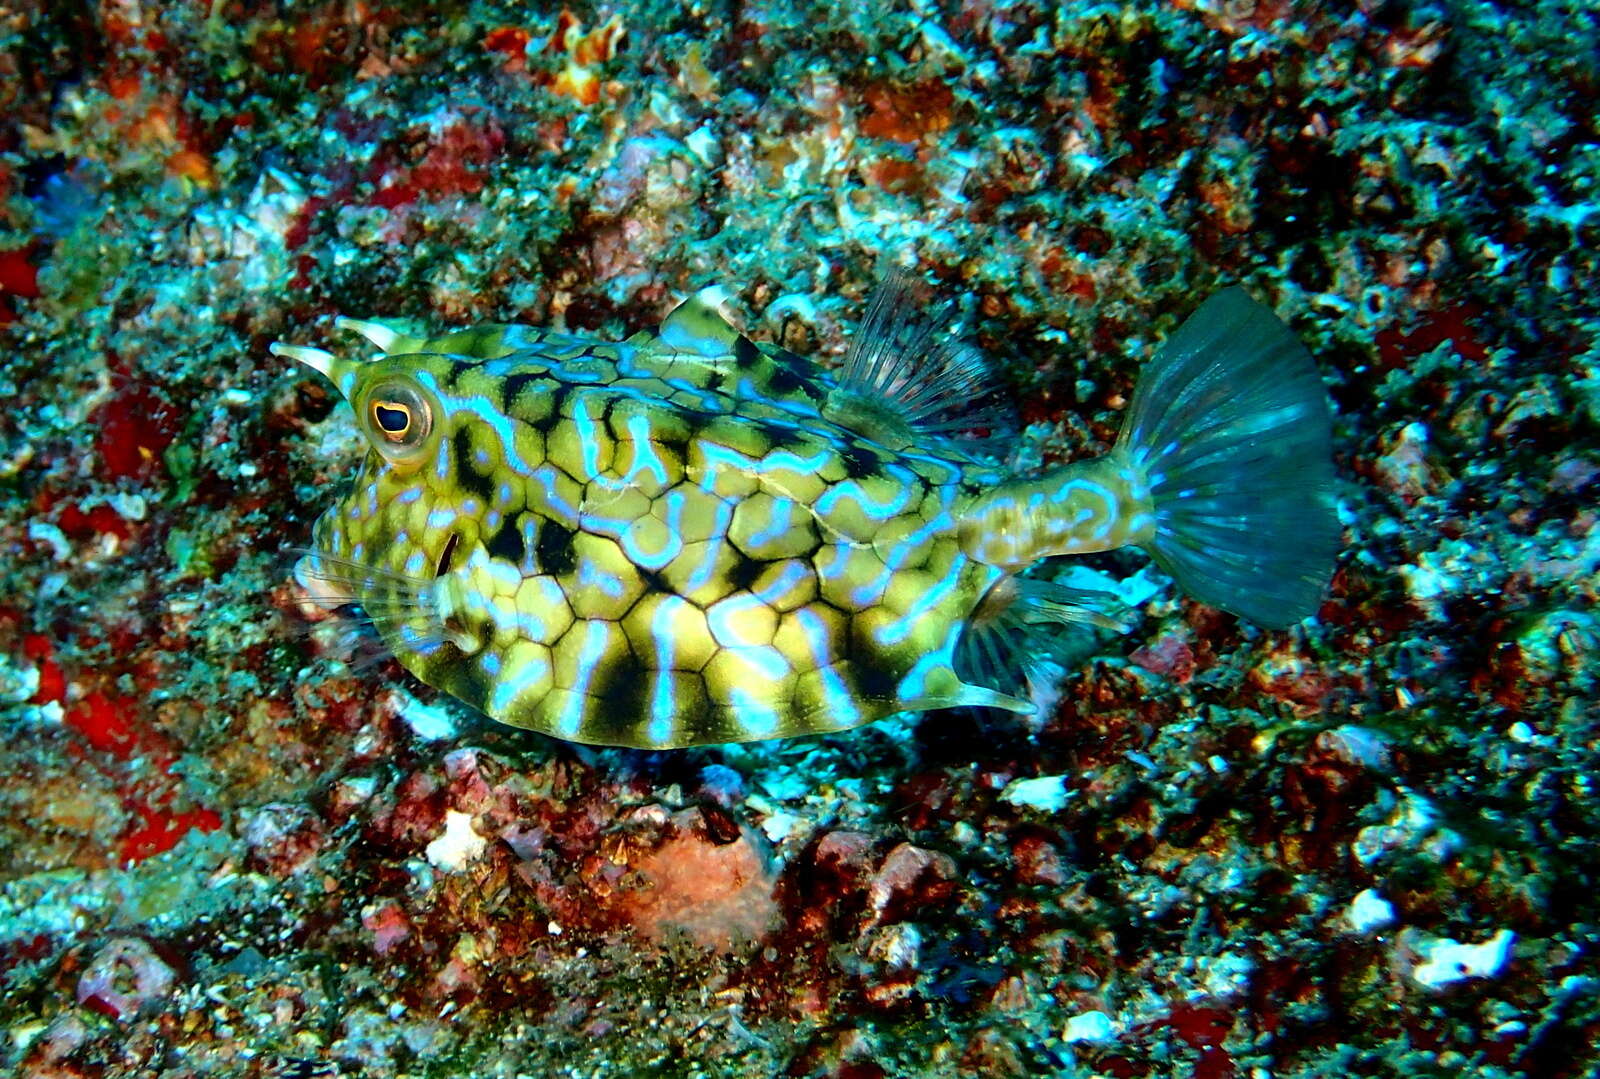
[[1364, 846]]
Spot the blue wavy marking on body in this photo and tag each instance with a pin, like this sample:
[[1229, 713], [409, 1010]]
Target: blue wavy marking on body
[[754, 715], [441, 461], [622, 362], [1094, 490], [508, 689], [592, 521], [720, 615], [531, 624], [868, 593], [943, 471], [875, 511], [529, 527], [746, 390], [776, 525], [790, 576], [787, 459], [915, 684], [927, 601], [719, 455], [409, 495], [503, 574], [663, 701], [703, 398], [644, 451], [592, 576], [838, 700], [652, 560], [545, 477], [588, 445], [503, 426], [594, 644]]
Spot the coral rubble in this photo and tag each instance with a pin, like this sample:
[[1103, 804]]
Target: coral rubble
[[235, 844]]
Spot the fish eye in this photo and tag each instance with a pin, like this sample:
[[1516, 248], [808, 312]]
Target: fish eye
[[399, 419], [393, 418]]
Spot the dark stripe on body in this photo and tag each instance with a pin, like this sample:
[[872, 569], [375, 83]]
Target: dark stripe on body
[[507, 542], [467, 475], [554, 549]]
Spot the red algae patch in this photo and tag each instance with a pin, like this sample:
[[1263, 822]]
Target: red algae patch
[[715, 889]]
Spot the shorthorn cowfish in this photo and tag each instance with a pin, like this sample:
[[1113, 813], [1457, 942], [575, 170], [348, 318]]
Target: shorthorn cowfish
[[688, 537]]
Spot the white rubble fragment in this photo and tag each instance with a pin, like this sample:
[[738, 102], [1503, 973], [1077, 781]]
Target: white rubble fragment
[[130, 507], [1226, 975], [126, 977], [780, 826], [1369, 911], [17, 684], [1047, 793], [51, 536], [430, 722], [1090, 1027], [459, 845], [1446, 961], [1355, 744]]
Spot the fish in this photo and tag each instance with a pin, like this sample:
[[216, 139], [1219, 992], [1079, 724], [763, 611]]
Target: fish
[[688, 537]]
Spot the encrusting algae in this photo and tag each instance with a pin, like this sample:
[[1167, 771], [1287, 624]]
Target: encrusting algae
[[689, 537]]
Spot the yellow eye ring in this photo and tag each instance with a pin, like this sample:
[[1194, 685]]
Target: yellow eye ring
[[391, 419]]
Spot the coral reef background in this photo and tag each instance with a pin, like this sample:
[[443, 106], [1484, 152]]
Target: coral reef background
[[1365, 846]]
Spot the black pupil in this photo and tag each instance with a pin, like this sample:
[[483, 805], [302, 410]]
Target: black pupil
[[393, 420]]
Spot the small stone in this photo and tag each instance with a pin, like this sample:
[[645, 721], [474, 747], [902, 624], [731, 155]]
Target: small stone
[[909, 880], [284, 839], [1090, 1027], [848, 854], [124, 979], [459, 845], [1446, 961], [1356, 745], [721, 784], [1369, 911], [387, 923], [897, 947], [1046, 793], [990, 1053], [1038, 861]]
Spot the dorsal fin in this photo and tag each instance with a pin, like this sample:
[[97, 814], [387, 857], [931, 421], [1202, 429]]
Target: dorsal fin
[[697, 325], [908, 372]]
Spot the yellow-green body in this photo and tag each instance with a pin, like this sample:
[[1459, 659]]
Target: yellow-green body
[[677, 539], [687, 537]]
